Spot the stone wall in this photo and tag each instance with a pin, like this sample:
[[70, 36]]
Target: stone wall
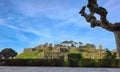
[[73, 49], [57, 49], [27, 50], [42, 48], [52, 55]]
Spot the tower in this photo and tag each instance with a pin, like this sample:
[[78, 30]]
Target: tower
[[100, 51]]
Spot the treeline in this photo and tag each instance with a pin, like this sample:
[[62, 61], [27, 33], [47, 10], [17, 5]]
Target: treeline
[[74, 60], [70, 43], [61, 63]]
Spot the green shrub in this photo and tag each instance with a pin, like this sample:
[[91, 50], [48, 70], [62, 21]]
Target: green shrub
[[66, 63], [74, 59], [80, 64], [88, 63], [63, 50]]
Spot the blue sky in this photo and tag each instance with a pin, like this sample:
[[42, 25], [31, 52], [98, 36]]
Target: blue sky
[[28, 23]]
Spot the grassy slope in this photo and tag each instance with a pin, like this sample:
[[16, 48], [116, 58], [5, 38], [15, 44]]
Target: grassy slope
[[38, 55], [32, 55]]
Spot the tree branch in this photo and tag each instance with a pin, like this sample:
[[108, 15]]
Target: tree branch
[[89, 18], [103, 22]]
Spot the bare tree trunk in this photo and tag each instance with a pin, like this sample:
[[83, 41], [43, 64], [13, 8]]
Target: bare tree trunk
[[117, 38]]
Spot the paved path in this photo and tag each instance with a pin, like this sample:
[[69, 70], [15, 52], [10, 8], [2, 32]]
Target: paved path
[[56, 69]]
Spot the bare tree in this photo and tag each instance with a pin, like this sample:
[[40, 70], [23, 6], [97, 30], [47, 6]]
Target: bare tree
[[103, 22]]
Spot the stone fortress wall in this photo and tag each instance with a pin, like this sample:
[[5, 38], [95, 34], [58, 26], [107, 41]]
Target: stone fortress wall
[[58, 50]]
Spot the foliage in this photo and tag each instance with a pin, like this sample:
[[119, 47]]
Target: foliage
[[66, 63], [80, 44], [61, 62], [110, 55], [50, 48], [67, 43], [0, 55], [87, 63], [8, 52], [74, 58], [109, 59], [63, 50], [88, 45], [33, 62]]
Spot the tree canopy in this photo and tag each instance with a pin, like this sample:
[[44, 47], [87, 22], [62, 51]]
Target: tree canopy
[[8, 52]]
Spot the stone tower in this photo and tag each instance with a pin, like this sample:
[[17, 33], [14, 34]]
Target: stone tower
[[100, 51], [100, 47]]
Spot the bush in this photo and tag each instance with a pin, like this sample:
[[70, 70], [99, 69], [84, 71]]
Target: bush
[[32, 62], [61, 62], [109, 63], [63, 50], [88, 63], [74, 59], [66, 63]]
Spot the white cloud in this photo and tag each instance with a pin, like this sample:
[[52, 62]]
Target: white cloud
[[54, 11], [50, 10], [66, 14], [43, 33], [28, 8], [42, 36]]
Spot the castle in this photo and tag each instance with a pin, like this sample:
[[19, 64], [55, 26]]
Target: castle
[[57, 51]]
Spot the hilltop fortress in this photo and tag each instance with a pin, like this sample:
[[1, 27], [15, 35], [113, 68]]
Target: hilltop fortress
[[49, 51]]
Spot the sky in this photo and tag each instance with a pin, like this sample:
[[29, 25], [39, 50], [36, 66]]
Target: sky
[[28, 23]]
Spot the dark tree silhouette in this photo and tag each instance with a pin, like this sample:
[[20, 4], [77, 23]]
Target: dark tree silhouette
[[103, 22], [65, 43], [8, 52], [0, 56], [80, 44], [110, 55]]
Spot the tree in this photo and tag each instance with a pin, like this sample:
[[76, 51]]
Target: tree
[[74, 58], [110, 55], [65, 43], [0, 56], [8, 52], [73, 44], [63, 50], [46, 45], [89, 48], [50, 47], [80, 44], [103, 22]]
